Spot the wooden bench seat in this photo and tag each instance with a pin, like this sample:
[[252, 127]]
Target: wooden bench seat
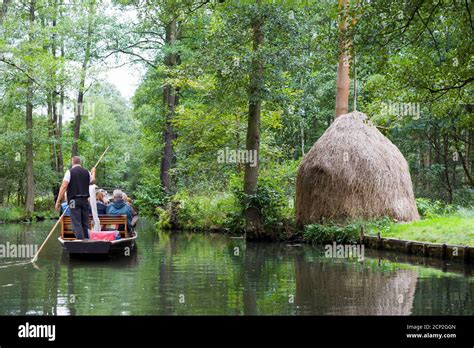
[[107, 222]]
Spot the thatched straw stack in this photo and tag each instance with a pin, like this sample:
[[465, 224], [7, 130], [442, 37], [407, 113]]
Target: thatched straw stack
[[353, 171]]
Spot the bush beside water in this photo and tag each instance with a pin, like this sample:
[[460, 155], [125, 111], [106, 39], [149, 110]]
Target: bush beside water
[[224, 210], [11, 214], [17, 214], [344, 233]]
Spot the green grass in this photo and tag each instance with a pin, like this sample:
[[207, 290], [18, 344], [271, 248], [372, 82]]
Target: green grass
[[454, 228], [16, 214], [446, 229], [11, 214]]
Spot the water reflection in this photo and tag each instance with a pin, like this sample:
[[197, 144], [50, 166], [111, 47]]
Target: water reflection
[[209, 274], [344, 288]]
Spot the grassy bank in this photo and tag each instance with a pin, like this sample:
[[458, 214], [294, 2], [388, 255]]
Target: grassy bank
[[439, 223], [454, 230], [10, 214], [453, 226]]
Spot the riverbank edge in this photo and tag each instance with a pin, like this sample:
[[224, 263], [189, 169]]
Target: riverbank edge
[[441, 251], [456, 253]]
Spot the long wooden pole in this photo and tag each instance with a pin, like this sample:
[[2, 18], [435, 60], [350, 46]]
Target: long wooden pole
[[49, 235], [100, 158]]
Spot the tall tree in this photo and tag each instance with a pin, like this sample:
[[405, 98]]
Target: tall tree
[[59, 129], [170, 101], [342, 80], [253, 215], [52, 104], [168, 17], [83, 74], [30, 181]]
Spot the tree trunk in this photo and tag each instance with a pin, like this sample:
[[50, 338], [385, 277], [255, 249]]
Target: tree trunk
[[468, 179], [303, 136], [237, 140], [52, 132], [60, 156], [469, 151], [77, 120], [253, 215], [4, 9], [465, 162], [82, 83], [53, 117], [342, 80], [449, 187], [19, 192], [170, 101], [59, 129], [30, 182]]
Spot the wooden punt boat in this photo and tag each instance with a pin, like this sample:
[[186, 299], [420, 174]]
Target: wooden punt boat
[[76, 247]]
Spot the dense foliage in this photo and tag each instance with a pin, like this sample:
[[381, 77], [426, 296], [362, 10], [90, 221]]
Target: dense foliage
[[413, 66]]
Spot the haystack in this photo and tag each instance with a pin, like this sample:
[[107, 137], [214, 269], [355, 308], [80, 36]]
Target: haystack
[[351, 172]]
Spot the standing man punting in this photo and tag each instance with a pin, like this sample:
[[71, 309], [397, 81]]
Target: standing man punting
[[76, 183]]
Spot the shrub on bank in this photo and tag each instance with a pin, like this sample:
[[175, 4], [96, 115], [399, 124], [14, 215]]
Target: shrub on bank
[[44, 204], [198, 211], [344, 233], [11, 214], [429, 209], [149, 195], [332, 232], [225, 209], [274, 196], [16, 214]]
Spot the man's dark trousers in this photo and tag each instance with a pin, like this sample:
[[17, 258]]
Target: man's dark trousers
[[79, 207]]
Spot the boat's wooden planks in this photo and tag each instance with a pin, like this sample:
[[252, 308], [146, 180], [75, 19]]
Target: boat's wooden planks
[[119, 222]]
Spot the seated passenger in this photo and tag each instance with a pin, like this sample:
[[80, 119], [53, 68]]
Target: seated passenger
[[64, 205], [63, 208], [119, 207], [134, 212], [106, 196], [101, 207]]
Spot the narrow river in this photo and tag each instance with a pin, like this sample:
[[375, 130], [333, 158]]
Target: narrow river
[[210, 274]]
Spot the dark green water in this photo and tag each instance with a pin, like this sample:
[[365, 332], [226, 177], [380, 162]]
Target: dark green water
[[209, 274]]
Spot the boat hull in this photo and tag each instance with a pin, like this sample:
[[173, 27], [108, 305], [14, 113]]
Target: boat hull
[[124, 246]]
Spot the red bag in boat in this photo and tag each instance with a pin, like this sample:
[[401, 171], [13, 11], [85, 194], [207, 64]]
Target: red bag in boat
[[104, 235]]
